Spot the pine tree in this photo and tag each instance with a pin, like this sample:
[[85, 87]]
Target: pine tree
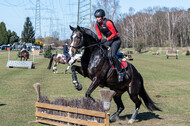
[[28, 34], [9, 35], [48, 52], [14, 37], [3, 34]]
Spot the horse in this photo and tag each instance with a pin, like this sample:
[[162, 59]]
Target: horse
[[61, 58], [96, 65], [24, 54]]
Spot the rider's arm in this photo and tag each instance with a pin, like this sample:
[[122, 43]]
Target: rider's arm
[[98, 32], [110, 26]]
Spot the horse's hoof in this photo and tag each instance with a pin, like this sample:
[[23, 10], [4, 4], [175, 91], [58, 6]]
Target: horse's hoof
[[78, 86], [112, 119], [65, 72], [131, 121]]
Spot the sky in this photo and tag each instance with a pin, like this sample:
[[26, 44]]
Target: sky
[[57, 15]]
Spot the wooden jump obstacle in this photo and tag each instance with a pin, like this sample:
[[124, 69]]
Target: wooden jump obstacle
[[36, 52], [69, 116], [171, 53], [51, 119], [14, 63], [155, 53]]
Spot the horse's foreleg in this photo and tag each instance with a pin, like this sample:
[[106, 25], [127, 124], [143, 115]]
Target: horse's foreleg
[[120, 107], [75, 68], [95, 83], [67, 68]]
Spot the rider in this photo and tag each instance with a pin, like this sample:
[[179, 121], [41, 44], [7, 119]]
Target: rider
[[24, 47], [66, 50], [107, 28]]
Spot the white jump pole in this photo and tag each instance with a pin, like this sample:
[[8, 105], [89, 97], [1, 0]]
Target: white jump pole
[[33, 57], [8, 53], [33, 54]]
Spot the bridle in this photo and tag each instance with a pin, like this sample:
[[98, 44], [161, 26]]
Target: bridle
[[82, 48]]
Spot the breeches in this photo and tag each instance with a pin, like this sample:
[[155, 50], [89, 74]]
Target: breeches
[[67, 55], [114, 48]]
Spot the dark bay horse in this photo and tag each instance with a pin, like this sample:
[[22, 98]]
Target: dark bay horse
[[24, 54], [96, 66]]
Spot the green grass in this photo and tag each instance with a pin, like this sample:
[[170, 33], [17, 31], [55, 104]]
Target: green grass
[[167, 81]]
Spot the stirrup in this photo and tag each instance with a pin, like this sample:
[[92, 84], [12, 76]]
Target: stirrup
[[120, 76]]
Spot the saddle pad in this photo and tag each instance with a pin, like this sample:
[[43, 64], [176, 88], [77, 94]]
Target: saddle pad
[[64, 57], [123, 64]]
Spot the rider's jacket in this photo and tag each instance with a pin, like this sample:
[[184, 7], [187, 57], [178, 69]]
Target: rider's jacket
[[65, 49], [107, 28]]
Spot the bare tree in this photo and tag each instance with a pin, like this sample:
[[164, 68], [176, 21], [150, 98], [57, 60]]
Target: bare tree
[[111, 8]]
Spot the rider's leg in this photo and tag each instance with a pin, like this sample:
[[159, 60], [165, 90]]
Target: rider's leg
[[114, 49], [68, 57], [119, 70]]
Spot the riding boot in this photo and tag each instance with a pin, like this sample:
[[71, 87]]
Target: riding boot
[[119, 70]]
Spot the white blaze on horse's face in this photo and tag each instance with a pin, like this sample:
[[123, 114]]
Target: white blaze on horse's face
[[72, 44]]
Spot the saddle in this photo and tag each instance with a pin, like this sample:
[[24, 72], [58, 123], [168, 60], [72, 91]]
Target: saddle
[[123, 64], [64, 58]]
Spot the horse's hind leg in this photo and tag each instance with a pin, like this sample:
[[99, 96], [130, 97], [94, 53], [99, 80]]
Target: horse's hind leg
[[137, 101], [55, 68], [67, 68], [120, 107]]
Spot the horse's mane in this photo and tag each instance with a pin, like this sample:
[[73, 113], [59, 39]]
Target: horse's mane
[[89, 33]]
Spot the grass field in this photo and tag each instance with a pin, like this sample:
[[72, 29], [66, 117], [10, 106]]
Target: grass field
[[167, 81]]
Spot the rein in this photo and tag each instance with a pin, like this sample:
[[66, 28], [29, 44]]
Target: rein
[[97, 44]]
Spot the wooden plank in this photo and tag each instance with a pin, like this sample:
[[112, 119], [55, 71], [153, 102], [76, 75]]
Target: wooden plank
[[36, 51], [73, 110], [52, 123], [173, 55], [107, 120], [66, 119]]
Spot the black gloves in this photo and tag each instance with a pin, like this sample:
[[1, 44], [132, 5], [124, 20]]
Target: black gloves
[[102, 41]]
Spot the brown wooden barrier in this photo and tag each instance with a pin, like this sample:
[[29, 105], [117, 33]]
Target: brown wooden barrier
[[43, 117], [63, 112], [172, 53]]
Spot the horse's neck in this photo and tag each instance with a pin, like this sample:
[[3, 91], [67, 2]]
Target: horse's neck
[[59, 55], [90, 44]]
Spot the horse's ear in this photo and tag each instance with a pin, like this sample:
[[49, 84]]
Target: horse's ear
[[78, 27], [72, 28]]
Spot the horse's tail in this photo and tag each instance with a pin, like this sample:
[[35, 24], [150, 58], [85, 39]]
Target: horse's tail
[[147, 100], [51, 61]]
